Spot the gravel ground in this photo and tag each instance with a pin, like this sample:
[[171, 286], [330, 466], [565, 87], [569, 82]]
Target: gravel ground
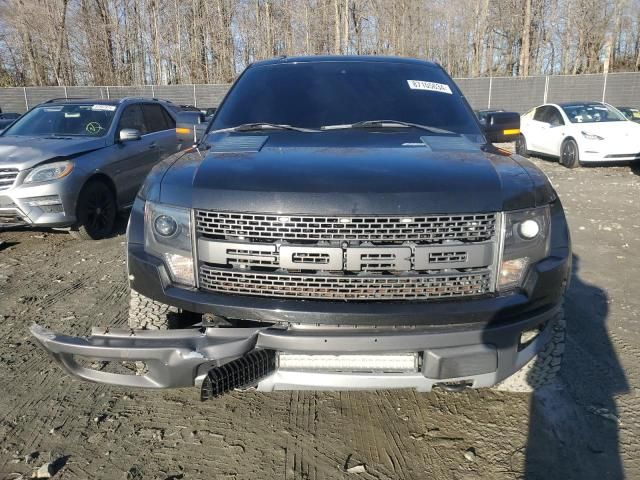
[[584, 426]]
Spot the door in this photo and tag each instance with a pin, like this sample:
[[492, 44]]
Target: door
[[131, 159], [162, 131], [555, 132], [537, 129]]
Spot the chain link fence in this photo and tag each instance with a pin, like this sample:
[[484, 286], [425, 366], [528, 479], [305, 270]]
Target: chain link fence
[[509, 93]]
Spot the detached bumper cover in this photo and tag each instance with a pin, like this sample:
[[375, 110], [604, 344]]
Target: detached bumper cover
[[180, 358]]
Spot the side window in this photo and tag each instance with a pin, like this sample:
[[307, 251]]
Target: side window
[[541, 113], [554, 117], [132, 118], [155, 117], [168, 118]]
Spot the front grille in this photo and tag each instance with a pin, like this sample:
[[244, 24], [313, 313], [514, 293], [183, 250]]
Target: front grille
[[270, 227], [355, 287], [7, 177]]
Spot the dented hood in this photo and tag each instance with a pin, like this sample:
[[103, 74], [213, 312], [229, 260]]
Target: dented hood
[[25, 152]]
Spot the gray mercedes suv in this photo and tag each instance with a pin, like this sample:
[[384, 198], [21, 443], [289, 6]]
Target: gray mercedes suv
[[74, 163]]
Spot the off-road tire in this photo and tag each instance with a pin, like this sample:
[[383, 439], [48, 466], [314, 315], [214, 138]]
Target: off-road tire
[[148, 314], [97, 211], [569, 160], [521, 146], [543, 368]]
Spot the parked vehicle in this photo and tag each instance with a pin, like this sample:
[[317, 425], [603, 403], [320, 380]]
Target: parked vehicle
[[496, 124], [208, 112], [350, 227], [578, 133], [188, 108], [631, 113], [7, 119], [75, 163]]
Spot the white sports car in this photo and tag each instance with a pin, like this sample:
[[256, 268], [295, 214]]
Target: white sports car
[[579, 132]]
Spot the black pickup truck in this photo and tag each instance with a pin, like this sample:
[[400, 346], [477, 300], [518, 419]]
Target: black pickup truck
[[343, 223]]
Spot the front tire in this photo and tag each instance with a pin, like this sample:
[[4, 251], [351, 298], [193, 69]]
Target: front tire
[[148, 314], [521, 146], [544, 367], [97, 211], [569, 154]]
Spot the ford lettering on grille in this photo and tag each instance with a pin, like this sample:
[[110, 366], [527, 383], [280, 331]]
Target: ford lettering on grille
[[352, 259], [349, 258]]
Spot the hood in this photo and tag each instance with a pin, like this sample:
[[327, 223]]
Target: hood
[[614, 131], [28, 151], [351, 172]]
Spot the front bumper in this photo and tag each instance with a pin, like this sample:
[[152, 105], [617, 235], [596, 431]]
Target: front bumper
[[477, 356], [51, 204], [591, 153]]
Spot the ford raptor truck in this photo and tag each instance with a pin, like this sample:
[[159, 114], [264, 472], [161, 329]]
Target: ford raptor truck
[[342, 223]]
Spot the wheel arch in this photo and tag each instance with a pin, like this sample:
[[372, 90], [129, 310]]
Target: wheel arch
[[100, 177], [565, 140]]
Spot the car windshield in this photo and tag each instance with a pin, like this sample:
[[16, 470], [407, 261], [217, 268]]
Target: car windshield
[[342, 93], [92, 120], [591, 113]]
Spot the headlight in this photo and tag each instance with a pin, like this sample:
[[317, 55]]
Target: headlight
[[526, 241], [49, 171], [591, 136], [167, 234]]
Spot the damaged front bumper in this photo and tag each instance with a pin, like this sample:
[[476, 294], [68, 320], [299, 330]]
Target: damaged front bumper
[[468, 355]]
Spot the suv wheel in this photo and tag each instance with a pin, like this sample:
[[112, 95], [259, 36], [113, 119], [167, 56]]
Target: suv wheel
[[521, 146], [542, 368], [97, 212], [569, 154], [148, 314]]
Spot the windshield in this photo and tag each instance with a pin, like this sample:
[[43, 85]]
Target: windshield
[[91, 120], [591, 113], [320, 94]]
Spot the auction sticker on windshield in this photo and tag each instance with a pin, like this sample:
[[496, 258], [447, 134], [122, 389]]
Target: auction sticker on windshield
[[105, 108], [430, 86]]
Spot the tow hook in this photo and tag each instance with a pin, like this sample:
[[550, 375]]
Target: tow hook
[[455, 387]]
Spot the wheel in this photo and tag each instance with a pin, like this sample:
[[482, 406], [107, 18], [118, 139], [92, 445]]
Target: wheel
[[569, 155], [148, 314], [521, 146], [97, 211], [542, 368]]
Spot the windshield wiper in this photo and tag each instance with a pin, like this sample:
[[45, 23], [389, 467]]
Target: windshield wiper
[[247, 127], [387, 124]]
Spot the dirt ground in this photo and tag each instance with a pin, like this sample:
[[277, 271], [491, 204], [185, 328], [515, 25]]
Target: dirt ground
[[585, 426]]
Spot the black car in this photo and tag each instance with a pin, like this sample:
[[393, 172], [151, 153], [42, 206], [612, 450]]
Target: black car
[[498, 124], [631, 113], [344, 223]]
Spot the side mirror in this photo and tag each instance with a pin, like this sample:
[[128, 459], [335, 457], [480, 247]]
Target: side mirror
[[129, 134], [190, 127], [502, 127]]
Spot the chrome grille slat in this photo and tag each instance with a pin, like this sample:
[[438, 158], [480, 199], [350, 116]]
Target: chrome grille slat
[[269, 227], [7, 177], [360, 287]]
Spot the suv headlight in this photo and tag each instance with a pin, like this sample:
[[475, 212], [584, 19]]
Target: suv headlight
[[525, 242], [167, 234], [49, 171]]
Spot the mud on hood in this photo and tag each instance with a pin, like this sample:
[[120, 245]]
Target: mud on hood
[[355, 173], [28, 151]]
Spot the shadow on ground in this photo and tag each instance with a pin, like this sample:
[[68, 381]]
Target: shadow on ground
[[573, 424]]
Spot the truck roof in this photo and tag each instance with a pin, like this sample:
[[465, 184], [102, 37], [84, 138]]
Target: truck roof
[[343, 58]]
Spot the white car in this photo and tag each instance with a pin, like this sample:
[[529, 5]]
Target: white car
[[578, 133]]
